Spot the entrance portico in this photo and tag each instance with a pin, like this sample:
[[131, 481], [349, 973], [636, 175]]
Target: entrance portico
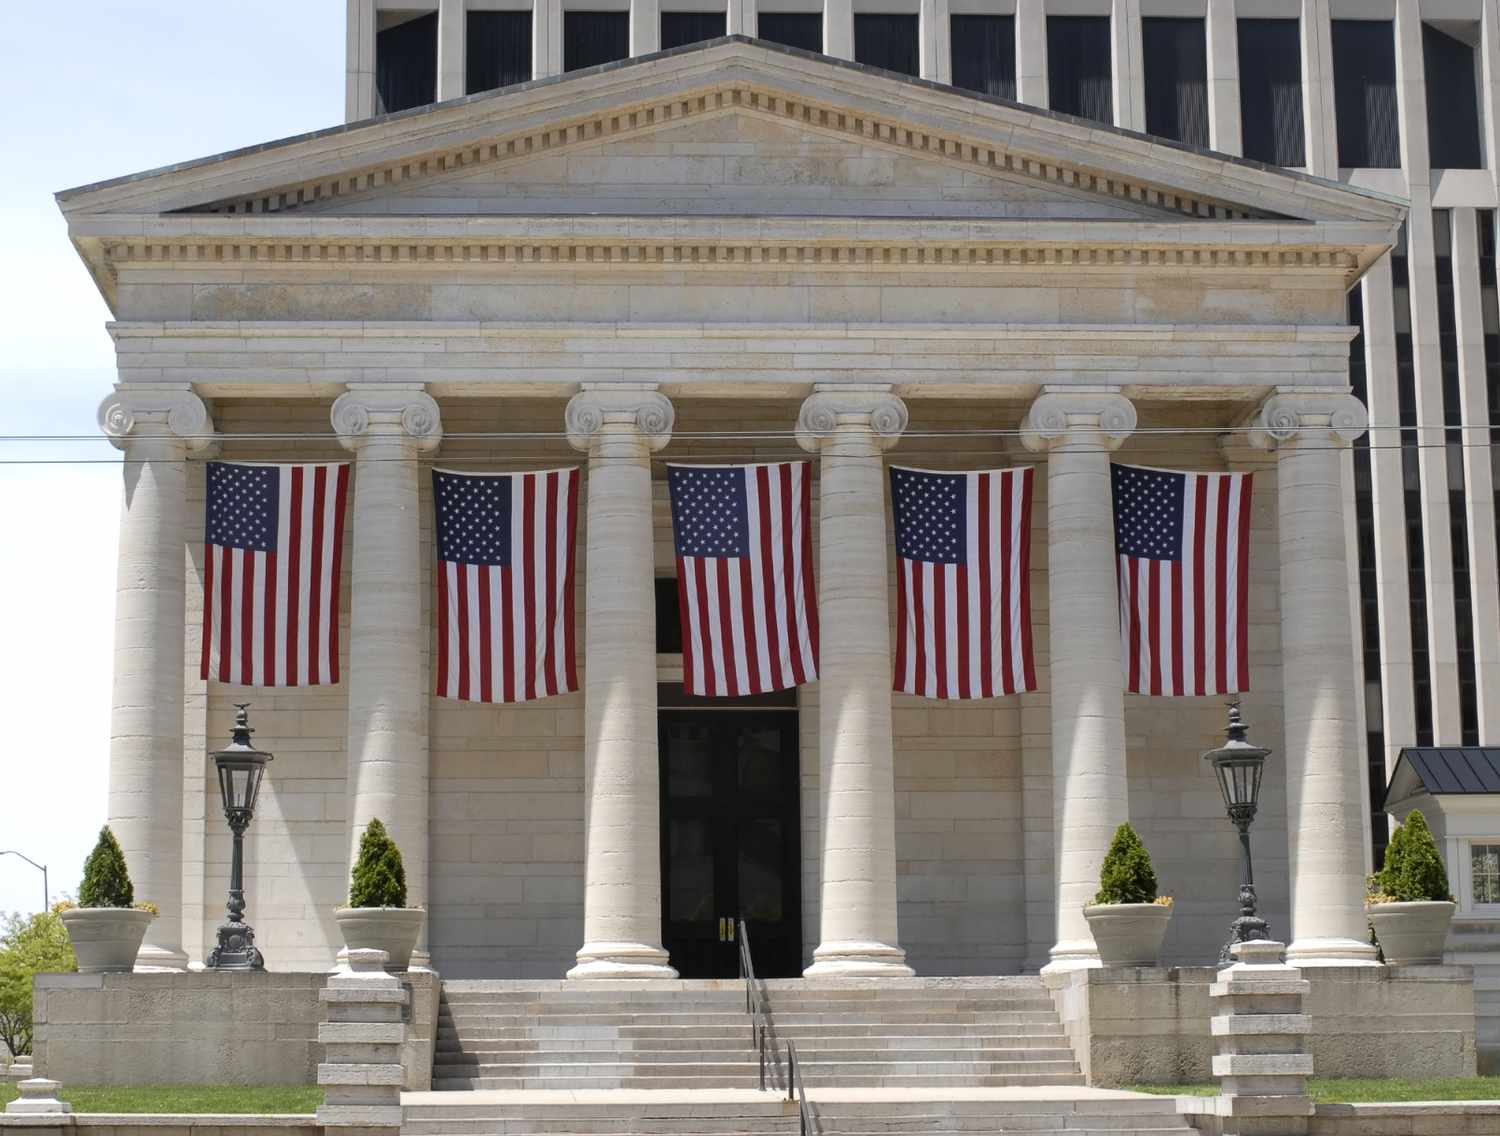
[[722, 254]]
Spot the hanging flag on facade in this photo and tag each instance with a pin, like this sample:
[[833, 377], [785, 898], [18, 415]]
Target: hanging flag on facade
[[963, 582], [273, 554], [745, 576], [1182, 542], [505, 582]]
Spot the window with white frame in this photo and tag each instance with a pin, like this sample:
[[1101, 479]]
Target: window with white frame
[[1484, 873]]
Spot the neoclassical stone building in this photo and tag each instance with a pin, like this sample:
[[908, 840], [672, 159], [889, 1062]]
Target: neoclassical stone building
[[737, 251]]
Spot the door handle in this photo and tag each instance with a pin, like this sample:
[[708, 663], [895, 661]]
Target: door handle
[[726, 929]]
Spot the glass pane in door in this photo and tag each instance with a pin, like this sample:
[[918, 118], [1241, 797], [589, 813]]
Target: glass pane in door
[[691, 871], [761, 854]]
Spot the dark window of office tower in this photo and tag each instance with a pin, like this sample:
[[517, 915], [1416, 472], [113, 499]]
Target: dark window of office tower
[[1449, 60], [1271, 92], [794, 29], [984, 54], [1489, 310], [405, 61], [1078, 75], [1453, 453], [497, 50], [1364, 93], [1411, 492], [886, 39], [1369, 595], [1175, 55], [592, 38], [678, 29]]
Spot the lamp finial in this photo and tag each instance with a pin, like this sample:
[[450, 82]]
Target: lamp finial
[[242, 730]]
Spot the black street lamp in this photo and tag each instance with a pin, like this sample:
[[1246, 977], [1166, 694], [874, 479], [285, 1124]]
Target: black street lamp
[[241, 767], [1238, 766]]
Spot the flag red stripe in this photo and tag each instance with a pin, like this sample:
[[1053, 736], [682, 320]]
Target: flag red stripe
[[1024, 570], [940, 623], [528, 577], [508, 632], [486, 687], [268, 628], [1221, 587], [294, 579], [903, 624], [462, 587], [442, 630], [919, 607], [208, 610], [962, 617], [986, 505], [1200, 588], [788, 576], [733, 680], [1153, 626], [705, 626], [315, 581], [810, 594], [1242, 589], [570, 582], [1177, 630], [548, 637], [1135, 626], [778, 678], [336, 575]]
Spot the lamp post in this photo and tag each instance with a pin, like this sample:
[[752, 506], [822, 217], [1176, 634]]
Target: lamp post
[[46, 891], [1238, 765], [241, 767]]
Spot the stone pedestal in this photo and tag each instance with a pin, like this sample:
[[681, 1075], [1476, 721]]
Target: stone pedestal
[[155, 430], [38, 1098], [849, 429], [388, 430], [1325, 776], [619, 429], [362, 1034], [1260, 1032], [1077, 431], [22, 1068]]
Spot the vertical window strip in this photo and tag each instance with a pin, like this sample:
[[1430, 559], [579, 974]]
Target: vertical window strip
[[1271, 91], [792, 29], [1364, 88], [1489, 307], [594, 38], [1369, 595], [1078, 67], [887, 40], [1452, 100], [1411, 485], [678, 29], [1174, 52], [406, 65], [984, 54], [1453, 453], [497, 50]]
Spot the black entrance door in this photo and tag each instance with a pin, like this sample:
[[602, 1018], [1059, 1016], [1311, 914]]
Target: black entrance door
[[730, 834]]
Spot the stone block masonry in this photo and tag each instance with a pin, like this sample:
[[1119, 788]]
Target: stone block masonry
[[362, 1034]]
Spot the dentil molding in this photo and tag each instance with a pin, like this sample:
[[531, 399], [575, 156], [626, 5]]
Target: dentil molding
[[883, 414], [411, 415], [591, 411], [1314, 414], [1057, 415], [178, 412]]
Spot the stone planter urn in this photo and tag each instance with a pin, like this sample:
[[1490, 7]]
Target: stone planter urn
[[1128, 934], [393, 930], [1413, 933], [106, 939]]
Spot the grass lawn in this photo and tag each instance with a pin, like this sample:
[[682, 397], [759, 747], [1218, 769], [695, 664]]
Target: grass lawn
[[1353, 1090], [184, 1098]]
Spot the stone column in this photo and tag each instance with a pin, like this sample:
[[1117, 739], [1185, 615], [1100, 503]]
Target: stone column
[[619, 429], [388, 429], [849, 428], [1222, 33], [1031, 52], [452, 31], [1324, 752], [156, 430], [1077, 430], [838, 28]]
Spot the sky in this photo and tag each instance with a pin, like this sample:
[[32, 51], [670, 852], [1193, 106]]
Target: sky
[[95, 90]]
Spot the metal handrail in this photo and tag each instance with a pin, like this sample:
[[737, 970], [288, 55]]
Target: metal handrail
[[794, 1081], [755, 1002]]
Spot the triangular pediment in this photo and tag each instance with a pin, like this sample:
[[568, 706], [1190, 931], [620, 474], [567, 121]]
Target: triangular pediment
[[1009, 151]]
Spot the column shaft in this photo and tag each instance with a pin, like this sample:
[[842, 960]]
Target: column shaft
[[1031, 52], [856, 760], [1090, 795], [1324, 750], [622, 856]]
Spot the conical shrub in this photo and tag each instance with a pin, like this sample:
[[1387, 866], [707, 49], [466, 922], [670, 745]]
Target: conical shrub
[[1126, 875], [106, 880], [379, 879], [1413, 867]]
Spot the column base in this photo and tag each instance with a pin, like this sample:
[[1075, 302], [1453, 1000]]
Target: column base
[[858, 960], [1331, 952], [1073, 954], [622, 960], [160, 960]]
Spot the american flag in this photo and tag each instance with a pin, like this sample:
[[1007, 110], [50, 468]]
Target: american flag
[[1183, 545], [273, 555], [745, 576], [505, 584], [963, 590]]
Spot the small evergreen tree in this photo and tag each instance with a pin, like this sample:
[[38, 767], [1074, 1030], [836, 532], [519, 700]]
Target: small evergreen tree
[[1413, 868], [379, 878], [106, 880], [1126, 875]]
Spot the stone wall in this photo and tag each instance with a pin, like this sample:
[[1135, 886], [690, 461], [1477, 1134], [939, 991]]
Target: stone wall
[[1150, 1025], [203, 1027]]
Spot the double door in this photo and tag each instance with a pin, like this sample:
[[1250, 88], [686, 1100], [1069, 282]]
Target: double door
[[730, 844]]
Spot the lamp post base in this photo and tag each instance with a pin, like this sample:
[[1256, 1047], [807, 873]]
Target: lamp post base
[[1247, 928], [236, 949]]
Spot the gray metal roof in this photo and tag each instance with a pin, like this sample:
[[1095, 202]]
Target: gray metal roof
[[1451, 769]]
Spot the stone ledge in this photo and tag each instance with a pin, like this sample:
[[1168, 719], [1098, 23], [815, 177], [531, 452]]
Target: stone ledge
[[1262, 1064], [365, 1073], [1242, 1025], [361, 1033]]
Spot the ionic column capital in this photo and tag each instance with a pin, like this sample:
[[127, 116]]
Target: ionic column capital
[[596, 411], [405, 415], [179, 415], [875, 409], [1064, 415], [1311, 414]]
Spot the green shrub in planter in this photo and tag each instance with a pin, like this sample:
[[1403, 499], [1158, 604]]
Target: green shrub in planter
[[1126, 875], [379, 879], [106, 880], [1413, 868]]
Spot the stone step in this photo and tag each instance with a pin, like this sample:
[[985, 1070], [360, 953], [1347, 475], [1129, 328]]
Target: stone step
[[1021, 1030], [824, 1049], [872, 1015], [634, 1081], [452, 1043]]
